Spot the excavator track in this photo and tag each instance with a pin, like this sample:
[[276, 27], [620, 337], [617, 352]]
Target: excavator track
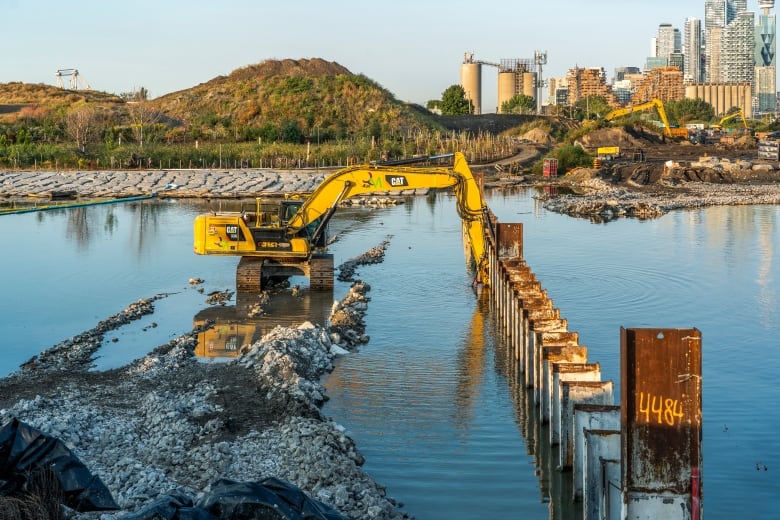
[[249, 274], [321, 272]]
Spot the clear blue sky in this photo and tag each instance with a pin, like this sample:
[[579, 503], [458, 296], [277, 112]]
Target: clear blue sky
[[412, 48]]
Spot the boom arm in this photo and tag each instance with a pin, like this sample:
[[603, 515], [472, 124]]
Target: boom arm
[[727, 117], [364, 179], [654, 103]]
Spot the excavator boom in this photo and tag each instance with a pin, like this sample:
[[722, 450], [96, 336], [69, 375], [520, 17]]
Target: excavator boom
[[654, 103], [273, 244]]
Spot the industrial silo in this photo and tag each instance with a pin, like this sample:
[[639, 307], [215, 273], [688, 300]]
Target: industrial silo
[[471, 81], [507, 87], [722, 108], [529, 84]]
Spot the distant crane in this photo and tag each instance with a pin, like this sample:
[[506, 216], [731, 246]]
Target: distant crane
[[75, 79]]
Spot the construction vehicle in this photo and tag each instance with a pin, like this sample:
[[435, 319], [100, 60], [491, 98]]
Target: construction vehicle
[[659, 106], [738, 113], [289, 238]]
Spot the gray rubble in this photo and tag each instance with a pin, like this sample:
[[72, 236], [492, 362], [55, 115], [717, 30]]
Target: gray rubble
[[169, 422], [178, 183], [681, 188]]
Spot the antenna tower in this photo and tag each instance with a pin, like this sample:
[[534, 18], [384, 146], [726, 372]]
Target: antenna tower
[[75, 79]]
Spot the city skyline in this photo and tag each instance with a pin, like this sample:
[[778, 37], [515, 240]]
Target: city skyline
[[412, 49]]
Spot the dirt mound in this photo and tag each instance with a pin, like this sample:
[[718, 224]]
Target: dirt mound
[[538, 136], [624, 137], [314, 67], [581, 174]]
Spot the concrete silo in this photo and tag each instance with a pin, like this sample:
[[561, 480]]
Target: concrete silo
[[471, 81], [507, 87], [529, 84]]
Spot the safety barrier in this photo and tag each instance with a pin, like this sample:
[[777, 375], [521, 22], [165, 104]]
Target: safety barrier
[[639, 459]]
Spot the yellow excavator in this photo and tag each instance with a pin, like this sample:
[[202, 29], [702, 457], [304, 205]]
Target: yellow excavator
[[738, 113], [289, 238], [659, 106]]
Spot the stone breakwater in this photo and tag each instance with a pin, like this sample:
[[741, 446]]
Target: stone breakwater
[[169, 422], [602, 201], [165, 183], [176, 183]]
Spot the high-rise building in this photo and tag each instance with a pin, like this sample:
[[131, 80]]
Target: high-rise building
[[665, 41], [692, 51], [714, 21], [727, 39], [622, 72], [714, 14], [738, 50], [765, 58], [734, 8], [713, 53]]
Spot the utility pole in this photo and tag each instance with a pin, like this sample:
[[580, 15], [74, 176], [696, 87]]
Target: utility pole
[[540, 58]]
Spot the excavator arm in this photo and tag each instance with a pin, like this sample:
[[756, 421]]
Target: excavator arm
[[654, 103], [730, 116], [365, 179]]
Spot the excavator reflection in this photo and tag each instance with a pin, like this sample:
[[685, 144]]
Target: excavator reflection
[[234, 326]]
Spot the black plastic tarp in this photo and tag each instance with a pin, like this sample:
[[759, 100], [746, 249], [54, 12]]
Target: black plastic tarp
[[269, 499], [25, 451], [174, 506]]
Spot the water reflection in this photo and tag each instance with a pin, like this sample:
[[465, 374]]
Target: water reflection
[[767, 299], [236, 326], [83, 223], [77, 227], [471, 358]]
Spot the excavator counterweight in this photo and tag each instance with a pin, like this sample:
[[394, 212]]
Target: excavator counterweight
[[289, 238]]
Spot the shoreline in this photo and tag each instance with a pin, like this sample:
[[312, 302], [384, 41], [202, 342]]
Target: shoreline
[[590, 193]]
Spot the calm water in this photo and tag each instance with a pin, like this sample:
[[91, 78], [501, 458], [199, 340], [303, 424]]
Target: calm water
[[428, 400]]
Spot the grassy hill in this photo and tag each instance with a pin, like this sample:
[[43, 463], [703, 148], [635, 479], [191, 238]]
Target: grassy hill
[[278, 112], [312, 94], [261, 100], [40, 94]]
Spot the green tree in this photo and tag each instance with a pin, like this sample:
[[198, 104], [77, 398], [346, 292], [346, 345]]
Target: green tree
[[592, 107], [684, 111], [454, 102], [569, 156], [268, 133], [519, 104], [291, 132]]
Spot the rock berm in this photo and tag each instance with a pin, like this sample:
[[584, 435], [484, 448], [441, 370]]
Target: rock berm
[[169, 423]]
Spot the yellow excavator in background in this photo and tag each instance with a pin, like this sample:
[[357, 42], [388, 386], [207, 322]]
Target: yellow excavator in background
[[739, 113], [289, 238], [659, 106]]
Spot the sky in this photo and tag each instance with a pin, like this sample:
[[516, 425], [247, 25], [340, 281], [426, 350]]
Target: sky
[[413, 48]]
